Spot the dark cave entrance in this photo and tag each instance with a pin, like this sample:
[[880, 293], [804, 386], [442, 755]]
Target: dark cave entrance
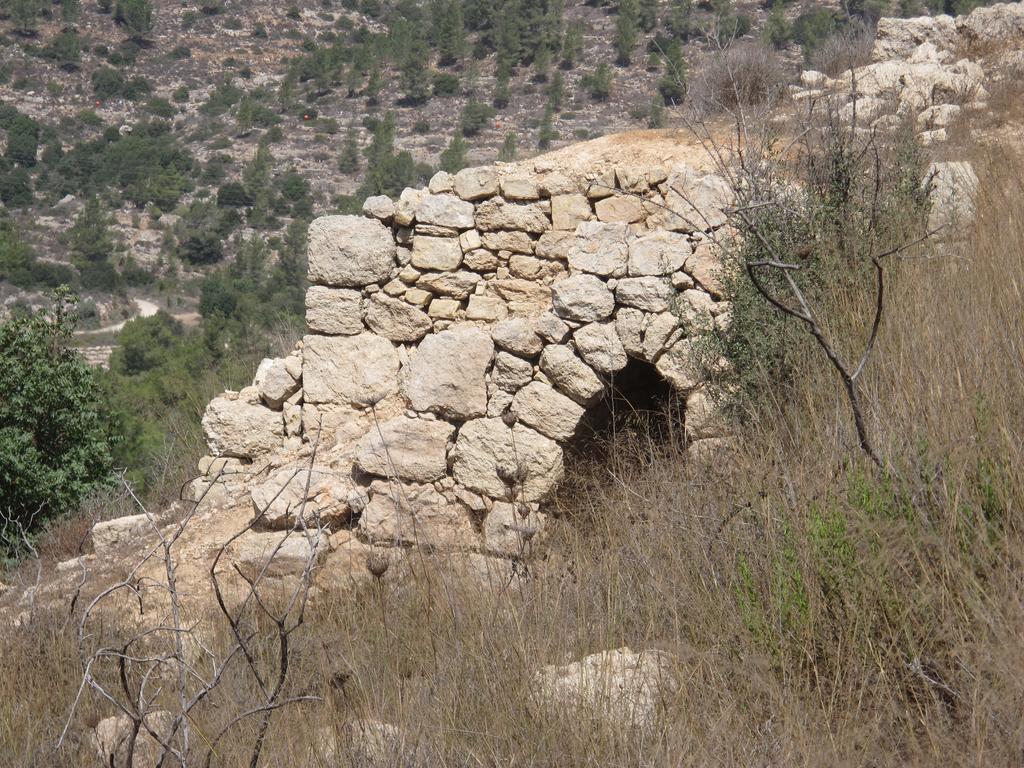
[[638, 415]]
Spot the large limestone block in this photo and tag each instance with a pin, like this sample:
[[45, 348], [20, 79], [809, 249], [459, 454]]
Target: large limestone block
[[551, 413], [582, 297], [279, 554], [695, 203], [570, 375], [676, 366], [524, 297], [335, 311], [651, 294], [417, 514], [599, 345], [897, 38], [279, 382], [396, 320], [476, 183], [493, 459], [600, 249], [518, 336], [511, 373], [457, 285], [706, 267], [445, 211], [436, 253], [446, 374], [660, 253], [623, 209], [569, 211], [108, 535], [508, 532], [952, 187], [409, 449], [314, 493], [624, 687], [348, 370], [243, 430], [498, 214], [350, 251]]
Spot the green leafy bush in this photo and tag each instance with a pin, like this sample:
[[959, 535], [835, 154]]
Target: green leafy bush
[[54, 446]]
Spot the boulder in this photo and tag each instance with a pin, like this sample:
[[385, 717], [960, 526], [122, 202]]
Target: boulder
[[396, 320], [524, 297], [335, 311], [952, 187], [109, 535], [279, 554], [502, 462], [624, 687], [991, 24], [695, 203], [436, 253], [379, 207], [348, 370], [651, 294], [278, 383], [519, 189], [313, 492], [486, 308], [416, 514], [512, 529], [897, 38], [350, 251], [238, 428], [570, 375], [445, 211], [584, 298], [457, 285], [659, 253], [476, 183], [676, 366], [706, 268], [629, 325], [569, 211], [446, 373], [112, 737], [511, 373], [518, 336], [498, 214], [407, 449], [623, 209], [600, 249], [600, 347], [551, 413]]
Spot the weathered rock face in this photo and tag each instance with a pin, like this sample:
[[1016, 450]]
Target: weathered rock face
[[624, 687], [457, 337]]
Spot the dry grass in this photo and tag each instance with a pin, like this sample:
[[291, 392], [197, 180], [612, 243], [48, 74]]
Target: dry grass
[[821, 614]]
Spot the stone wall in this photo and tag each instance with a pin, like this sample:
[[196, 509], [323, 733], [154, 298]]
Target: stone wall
[[456, 338]]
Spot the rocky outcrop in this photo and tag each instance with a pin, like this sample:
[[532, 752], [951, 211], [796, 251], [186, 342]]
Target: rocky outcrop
[[457, 338]]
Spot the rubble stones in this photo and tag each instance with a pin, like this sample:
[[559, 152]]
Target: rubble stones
[[349, 251]]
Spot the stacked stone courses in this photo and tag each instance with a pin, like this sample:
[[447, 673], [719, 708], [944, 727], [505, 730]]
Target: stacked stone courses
[[457, 337]]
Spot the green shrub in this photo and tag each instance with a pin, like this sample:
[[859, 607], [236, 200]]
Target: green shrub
[[54, 446]]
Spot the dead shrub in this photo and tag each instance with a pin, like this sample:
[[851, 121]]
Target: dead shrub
[[745, 74], [845, 50]]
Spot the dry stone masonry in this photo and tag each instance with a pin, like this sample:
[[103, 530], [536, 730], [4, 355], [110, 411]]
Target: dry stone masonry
[[456, 338]]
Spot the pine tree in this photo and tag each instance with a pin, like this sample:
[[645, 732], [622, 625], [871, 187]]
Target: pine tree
[[349, 160], [556, 92], [415, 74], [648, 16], [453, 159], [672, 86], [572, 46], [502, 94], [136, 15], [89, 238], [680, 19], [374, 84], [657, 117], [777, 30], [541, 64], [627, 31], [599, 82], [507, 153], [256, 179], [451, 32], [547, 133], [70, 10], [23, 15]]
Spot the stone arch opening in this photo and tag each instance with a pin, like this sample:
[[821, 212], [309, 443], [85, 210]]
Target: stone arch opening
[[639, 410]]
